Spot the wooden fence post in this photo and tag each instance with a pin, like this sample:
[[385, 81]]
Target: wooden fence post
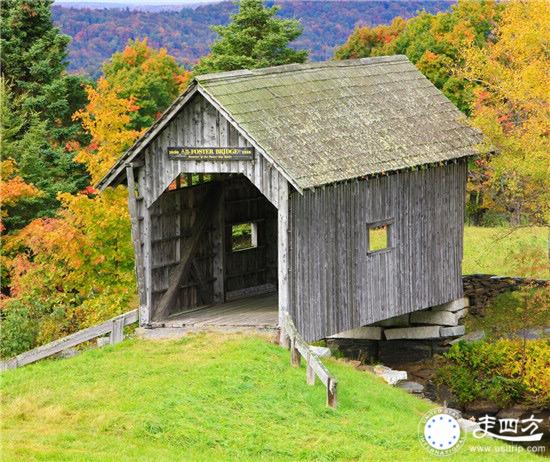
[[314, 367], [295, 357], [117, 334], [310, 374], [331, 393], [284, 339]]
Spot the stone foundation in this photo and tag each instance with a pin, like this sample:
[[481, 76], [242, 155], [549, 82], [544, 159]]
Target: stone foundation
[[404, 338]]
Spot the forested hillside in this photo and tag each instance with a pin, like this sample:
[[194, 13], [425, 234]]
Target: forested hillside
[[186, 34]]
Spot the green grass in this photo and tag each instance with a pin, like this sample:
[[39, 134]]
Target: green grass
[[506, 251], [207, 397]]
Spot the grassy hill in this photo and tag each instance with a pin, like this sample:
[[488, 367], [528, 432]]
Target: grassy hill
[[506, 251], [206, 397]]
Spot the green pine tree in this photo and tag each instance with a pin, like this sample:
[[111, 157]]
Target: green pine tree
[[24, 138], [33, 60], [255, 38], [38, 99]]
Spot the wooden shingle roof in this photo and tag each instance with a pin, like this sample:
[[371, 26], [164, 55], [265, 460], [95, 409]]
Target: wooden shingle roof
[[332, 121]]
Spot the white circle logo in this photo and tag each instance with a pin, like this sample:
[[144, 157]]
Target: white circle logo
[[440, 432]]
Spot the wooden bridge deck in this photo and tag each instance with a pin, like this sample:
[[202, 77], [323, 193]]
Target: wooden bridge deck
[[258, 312]]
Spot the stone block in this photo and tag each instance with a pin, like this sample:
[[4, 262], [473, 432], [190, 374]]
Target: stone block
[[403, 351], [442, 318], [389, 375], [411, 387], [364, 333], [454, 306], [454, 331], [460, 314], [420, 332], [396, 321]]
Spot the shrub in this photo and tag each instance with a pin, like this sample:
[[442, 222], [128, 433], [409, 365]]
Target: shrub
[[18, 330], [504, 372]]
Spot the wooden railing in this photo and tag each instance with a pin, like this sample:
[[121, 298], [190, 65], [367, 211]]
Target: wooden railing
[[291, 338], [114, 327]]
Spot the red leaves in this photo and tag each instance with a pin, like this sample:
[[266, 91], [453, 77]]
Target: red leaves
[[89, 191]]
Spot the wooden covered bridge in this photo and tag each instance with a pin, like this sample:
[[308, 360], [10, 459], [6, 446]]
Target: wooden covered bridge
[[332, 191]]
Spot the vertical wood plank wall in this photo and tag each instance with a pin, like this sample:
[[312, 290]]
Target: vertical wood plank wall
[[335, 285], [200, 124], [256, 266]]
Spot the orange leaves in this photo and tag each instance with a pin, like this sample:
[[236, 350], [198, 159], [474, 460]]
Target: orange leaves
[[89, 191], [72, 146], [366, 41], [106, 117], [183, 80], [79, 255], [13, 188], [430, 56]]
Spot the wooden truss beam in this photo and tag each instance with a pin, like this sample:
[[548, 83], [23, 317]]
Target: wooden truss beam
[[189, 249]]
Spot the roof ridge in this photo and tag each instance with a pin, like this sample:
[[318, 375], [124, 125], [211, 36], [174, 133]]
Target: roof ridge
[[229, 75]]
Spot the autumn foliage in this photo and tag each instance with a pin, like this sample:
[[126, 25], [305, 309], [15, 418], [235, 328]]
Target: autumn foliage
[[106, 117], [12, 187], [512, 107], [150, 77], [74, 270]]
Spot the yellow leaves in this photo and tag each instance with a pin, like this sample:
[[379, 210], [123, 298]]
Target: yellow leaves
[[514, 109], [105, 117]]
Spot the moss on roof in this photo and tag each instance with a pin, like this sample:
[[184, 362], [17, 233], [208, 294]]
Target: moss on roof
[[332, 121]]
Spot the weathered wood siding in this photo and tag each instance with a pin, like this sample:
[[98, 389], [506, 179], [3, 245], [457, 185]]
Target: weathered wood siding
[[199, 124], [173, 215], [257, 266], [335, 285]]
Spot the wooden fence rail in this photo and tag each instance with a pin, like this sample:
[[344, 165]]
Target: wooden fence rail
[[113, 326], [300, 349]]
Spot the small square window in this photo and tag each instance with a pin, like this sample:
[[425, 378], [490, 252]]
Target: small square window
[[379, 236], [244, 236]]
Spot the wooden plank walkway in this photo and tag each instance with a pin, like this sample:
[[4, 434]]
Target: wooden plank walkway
[[259, 312]]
